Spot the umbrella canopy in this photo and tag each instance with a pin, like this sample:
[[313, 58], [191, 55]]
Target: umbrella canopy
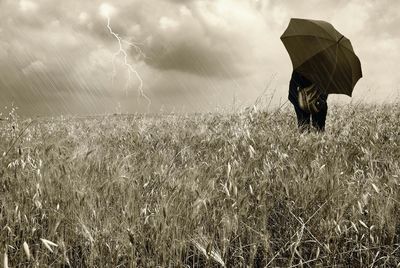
[[323, 55]]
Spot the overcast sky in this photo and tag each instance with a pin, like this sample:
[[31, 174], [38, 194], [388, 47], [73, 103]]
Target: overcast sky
[[192, 55]]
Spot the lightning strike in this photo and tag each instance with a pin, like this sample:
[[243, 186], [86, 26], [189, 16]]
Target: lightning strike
[[106, 10]]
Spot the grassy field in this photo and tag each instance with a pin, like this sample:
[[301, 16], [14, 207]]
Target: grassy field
[[201, 190]]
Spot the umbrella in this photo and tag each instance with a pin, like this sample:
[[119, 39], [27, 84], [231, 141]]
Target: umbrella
[[323, 55]]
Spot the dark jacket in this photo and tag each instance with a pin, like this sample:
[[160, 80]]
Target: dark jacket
[[298, 80]]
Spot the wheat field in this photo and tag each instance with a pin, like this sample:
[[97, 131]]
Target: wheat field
[[202, 190]]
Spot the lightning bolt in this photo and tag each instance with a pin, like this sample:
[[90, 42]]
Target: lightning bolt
[[130, 68]]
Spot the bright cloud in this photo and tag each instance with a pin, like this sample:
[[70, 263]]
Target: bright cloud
[[27, 6], [106, 10], [168, 23]]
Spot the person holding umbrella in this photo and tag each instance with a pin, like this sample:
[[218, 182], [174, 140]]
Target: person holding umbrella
[[309, 104], [323, 63]]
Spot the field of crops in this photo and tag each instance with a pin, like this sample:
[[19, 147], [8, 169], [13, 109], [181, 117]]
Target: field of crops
[[216, 190]]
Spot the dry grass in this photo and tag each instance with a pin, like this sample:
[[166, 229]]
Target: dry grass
[[201, 190]]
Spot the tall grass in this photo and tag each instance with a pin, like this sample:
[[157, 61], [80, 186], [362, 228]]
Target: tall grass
[[245, 189]]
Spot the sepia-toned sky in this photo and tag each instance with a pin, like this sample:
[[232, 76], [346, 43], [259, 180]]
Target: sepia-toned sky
[[56, 57]]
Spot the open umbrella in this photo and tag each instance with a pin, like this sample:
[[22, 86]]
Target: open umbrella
[[323, 55]]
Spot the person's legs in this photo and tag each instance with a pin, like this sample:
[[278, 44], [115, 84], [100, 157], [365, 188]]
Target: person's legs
[[318, 119], [303, 118]]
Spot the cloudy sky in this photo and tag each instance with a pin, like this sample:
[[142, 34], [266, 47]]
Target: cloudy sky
[[191, 55]]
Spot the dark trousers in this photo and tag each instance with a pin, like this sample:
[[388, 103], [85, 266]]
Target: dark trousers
[[304, 118]]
